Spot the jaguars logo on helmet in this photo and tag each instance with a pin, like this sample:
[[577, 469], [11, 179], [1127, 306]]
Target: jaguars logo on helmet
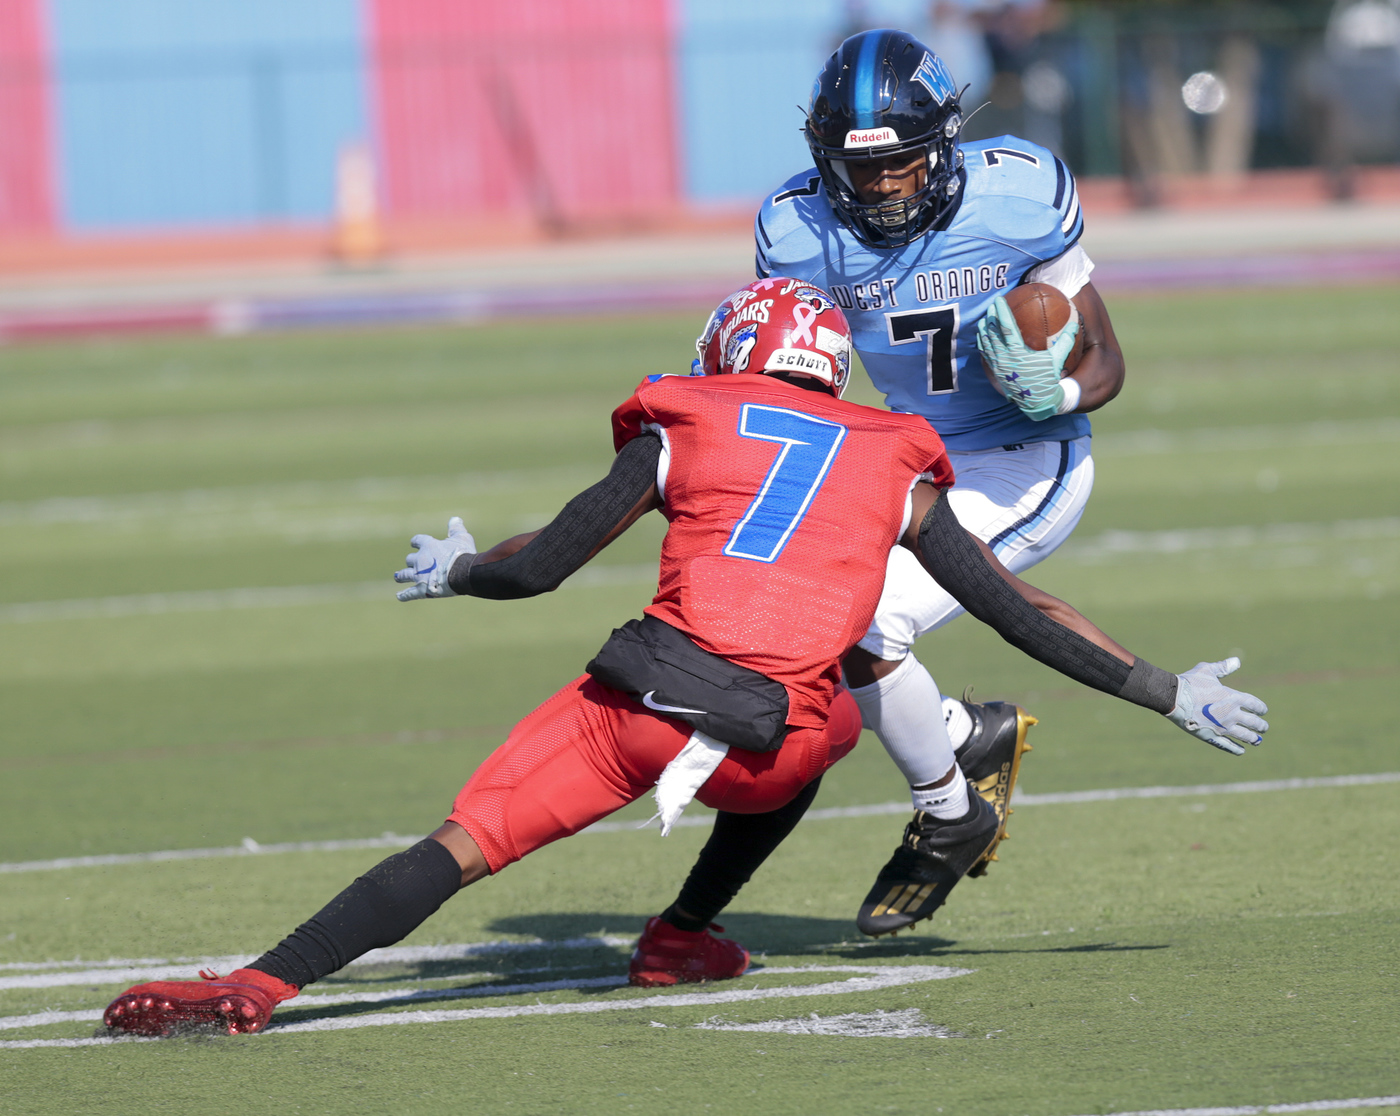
[[817, 300], [884, 93], [842, 353], [736, 354]]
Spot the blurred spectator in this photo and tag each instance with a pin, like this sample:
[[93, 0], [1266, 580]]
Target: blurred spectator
[[1358, 85], [1157, 137], [1230, 113], [1047, 94], [1177, 122], [958, 38], [997, 48]]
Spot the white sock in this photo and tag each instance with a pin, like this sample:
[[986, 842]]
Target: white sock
[[902, 709], [948, 802], [958, 722]]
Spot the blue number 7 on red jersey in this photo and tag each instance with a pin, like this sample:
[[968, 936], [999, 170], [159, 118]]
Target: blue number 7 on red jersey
[[809, 447]]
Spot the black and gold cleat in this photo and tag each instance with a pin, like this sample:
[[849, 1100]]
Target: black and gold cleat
[[935, 855], [991, 759]]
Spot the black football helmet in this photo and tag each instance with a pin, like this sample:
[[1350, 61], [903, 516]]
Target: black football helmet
[[885, 93]]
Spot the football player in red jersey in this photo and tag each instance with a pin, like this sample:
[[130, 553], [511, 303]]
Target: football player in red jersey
[[782, 503]]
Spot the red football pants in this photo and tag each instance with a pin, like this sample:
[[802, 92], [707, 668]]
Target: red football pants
[[590, 750]]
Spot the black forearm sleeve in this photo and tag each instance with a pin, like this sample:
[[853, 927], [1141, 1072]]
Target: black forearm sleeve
[[956, 562], [563, 546]]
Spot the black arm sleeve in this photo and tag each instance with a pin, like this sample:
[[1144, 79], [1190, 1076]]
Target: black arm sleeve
[[563, 546], [957, 564]]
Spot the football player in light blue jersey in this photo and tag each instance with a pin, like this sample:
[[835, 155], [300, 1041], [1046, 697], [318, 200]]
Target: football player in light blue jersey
[[917, 236]]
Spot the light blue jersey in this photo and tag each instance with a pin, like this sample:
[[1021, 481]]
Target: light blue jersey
[[914, 310]]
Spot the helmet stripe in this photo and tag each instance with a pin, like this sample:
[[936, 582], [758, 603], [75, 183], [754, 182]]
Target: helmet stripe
[[865, 84]]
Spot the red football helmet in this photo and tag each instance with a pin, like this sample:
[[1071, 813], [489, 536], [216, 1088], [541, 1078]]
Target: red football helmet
[[778, 325]]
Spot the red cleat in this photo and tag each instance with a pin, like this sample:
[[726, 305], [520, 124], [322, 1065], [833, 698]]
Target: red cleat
[[666, 956], [240, 1002]]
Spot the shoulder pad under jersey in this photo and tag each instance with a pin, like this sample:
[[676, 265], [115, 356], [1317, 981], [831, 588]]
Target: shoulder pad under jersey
[[791, 226], [1018, 192]]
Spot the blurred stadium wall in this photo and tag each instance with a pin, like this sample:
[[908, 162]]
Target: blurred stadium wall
[[122, 117]]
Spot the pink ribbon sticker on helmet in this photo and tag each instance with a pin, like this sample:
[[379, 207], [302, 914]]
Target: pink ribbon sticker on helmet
[[804, 315]]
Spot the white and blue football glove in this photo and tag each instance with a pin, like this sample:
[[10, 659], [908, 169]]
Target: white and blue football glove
[[1213, 712], [1030, 378], [426, 574]]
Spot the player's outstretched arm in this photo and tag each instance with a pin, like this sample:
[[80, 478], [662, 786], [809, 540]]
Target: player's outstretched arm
[[1057, 634], [537, 562]]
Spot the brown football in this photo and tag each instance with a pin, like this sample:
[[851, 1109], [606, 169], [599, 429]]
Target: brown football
[[1041, 311]]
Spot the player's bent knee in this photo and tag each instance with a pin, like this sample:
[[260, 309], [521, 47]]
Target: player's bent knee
[[864, 668], [465, 851]]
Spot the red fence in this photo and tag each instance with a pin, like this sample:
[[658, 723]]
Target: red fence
[[26, 174], [544, 109]]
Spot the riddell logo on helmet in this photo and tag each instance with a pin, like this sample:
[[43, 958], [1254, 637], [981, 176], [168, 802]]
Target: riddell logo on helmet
[[799, 360], [871, 137]]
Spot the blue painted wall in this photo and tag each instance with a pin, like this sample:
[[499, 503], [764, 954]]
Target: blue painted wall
[[745, 73], [188, 113], [203, 112]]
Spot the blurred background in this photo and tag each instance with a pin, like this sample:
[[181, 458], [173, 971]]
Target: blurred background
[[370, 134], [282, 284], [285, 282]]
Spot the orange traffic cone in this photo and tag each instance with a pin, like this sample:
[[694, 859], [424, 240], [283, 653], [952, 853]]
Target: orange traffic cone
[[359, 241]]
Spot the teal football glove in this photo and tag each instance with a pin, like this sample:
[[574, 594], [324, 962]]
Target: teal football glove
[[1030, 378], [1213, 712], [427, 569]]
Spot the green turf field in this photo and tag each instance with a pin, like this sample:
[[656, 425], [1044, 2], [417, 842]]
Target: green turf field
[[199, 647]]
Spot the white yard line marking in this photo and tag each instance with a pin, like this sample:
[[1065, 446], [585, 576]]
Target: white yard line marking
[[863, 978], [867, 1024], [106, 976], [119, 971], [1060, 798], [1104, 547], [139, 506], [199, 600], [390, 840], [414, 995], [1134, 443], [1262, 786], [114, 963], [35, 1044], [248, 848], [48, 1018], [1113, 544], [395, 996], [1254, 1109], [870, 979], [389, 955], [390, 996], [284, 596]]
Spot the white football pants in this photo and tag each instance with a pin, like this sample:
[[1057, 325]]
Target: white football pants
[[1023, 502]]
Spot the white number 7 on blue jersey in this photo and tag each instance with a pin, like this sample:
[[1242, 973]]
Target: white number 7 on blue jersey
[[809, 447]]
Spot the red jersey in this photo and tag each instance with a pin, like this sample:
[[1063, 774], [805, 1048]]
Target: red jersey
[[783, 505]]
